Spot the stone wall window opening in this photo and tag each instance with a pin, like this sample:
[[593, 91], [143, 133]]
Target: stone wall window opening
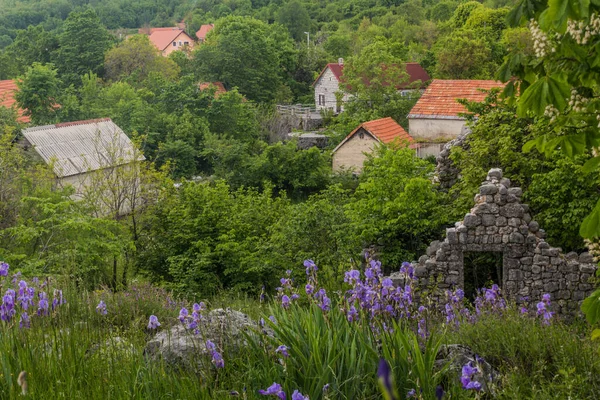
[[481, 269]]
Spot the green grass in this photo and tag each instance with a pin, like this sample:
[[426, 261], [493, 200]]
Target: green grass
[[65, 359]]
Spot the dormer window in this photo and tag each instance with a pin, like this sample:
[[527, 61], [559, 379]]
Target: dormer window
[[361, 135]]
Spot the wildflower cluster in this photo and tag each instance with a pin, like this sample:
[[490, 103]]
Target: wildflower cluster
[[192, 321], [582, 31], [377, 297], [286, 293], [542, 309], [217, 359], [541, 43], [26, 299], [467, 378], [489, 300], [276, 390]]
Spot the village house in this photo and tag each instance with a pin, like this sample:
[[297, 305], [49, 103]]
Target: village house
[[203, 31], [218, 87], [329, 80], [76, 150], [168, 40], [8, 89], [352, 152], [435, 119]]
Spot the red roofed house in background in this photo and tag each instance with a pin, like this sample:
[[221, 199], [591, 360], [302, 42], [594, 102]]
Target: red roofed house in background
[[352, 152], [8, 89], [168, 40], [203, 31], [434, 119], [328, 83], [219, 88]]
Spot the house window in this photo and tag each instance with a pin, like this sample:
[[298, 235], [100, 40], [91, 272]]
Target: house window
[[180, 43], [186, 43], [361, 135], [321, 99], [174, 44]]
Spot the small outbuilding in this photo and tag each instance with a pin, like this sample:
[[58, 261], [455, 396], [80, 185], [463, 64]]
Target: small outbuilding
[[75, 150], [352, 152]]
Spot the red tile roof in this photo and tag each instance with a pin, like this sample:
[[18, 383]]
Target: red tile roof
[[203, 31], [440, 97], [163, 37], [385, 130], [414, 70], [220, 89], [7, 98]]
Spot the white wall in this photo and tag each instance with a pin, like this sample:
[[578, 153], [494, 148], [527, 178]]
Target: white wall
[[328, 85], [354, 152], [431, 129]]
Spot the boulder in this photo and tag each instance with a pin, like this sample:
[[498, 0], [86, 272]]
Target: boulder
[[455, 356], [179, 346]]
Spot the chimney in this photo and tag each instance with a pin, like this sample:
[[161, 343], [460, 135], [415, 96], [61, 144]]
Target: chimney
[[341, 62]]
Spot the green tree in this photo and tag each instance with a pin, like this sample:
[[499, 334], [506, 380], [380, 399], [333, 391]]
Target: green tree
[[395, 208], [82, 45], [38, 94], [34, 44], [136, 58], [294, 16], [245, 53], [463, 55]]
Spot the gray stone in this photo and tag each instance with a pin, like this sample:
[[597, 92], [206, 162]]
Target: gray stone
[[455, 356], [502, 190], [488, 189], [501, 221], [488, 220], [586, 258], [494, 173], [182, 347], [516, 237], [505, 182], [471, 220], [534, 226], [516, 191], [515, 222], [451, 236]]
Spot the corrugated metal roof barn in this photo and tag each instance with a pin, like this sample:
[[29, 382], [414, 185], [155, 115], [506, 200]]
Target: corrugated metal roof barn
[[82, 146]]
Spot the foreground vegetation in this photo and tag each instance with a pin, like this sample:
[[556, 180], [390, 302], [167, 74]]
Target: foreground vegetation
[[321, 347]]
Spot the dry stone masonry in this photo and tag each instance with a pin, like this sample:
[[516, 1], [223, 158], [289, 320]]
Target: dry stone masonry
[[531, 267]]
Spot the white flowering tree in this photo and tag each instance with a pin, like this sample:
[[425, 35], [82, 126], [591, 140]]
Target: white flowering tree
[[562, 81]]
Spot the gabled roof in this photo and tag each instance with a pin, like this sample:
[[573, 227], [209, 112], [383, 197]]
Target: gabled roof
[[203, 31], [8, 89], [81, 146], [414, 70], [220, 89], [384, 130], [163, 37], [439, 99]]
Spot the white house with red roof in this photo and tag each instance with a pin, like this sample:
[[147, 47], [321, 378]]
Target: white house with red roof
[[168, 40], [435, 119], [203, 31], [8, 88], [328, 83], [352, 152]]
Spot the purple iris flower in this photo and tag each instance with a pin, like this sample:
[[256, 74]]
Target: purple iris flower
[[210, 346], [411, 393], [283, 349], [298, 396], [352, 276], [217, 359], [183, 314], [468, 372], [153, 322], [43, 306], [285, 301], [309, 289], [24, 321], [101, 308], [3, 269], [352, 314], [272, 319], [274, 390], [310, 266]]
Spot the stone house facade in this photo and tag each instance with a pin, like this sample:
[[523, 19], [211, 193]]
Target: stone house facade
[[330, 81], [352, 152], [435, 119], [500, 223]]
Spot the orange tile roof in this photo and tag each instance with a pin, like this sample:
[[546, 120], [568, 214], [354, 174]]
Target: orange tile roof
[[440, 97], [414, 70], [220, 89], [7, 98], [385, 130], [163, 37], [203, 31]]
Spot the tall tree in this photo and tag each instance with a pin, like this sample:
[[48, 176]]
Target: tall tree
[[38, 93], [83, 43]]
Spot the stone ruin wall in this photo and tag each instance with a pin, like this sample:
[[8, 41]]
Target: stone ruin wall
[[531, 267]]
